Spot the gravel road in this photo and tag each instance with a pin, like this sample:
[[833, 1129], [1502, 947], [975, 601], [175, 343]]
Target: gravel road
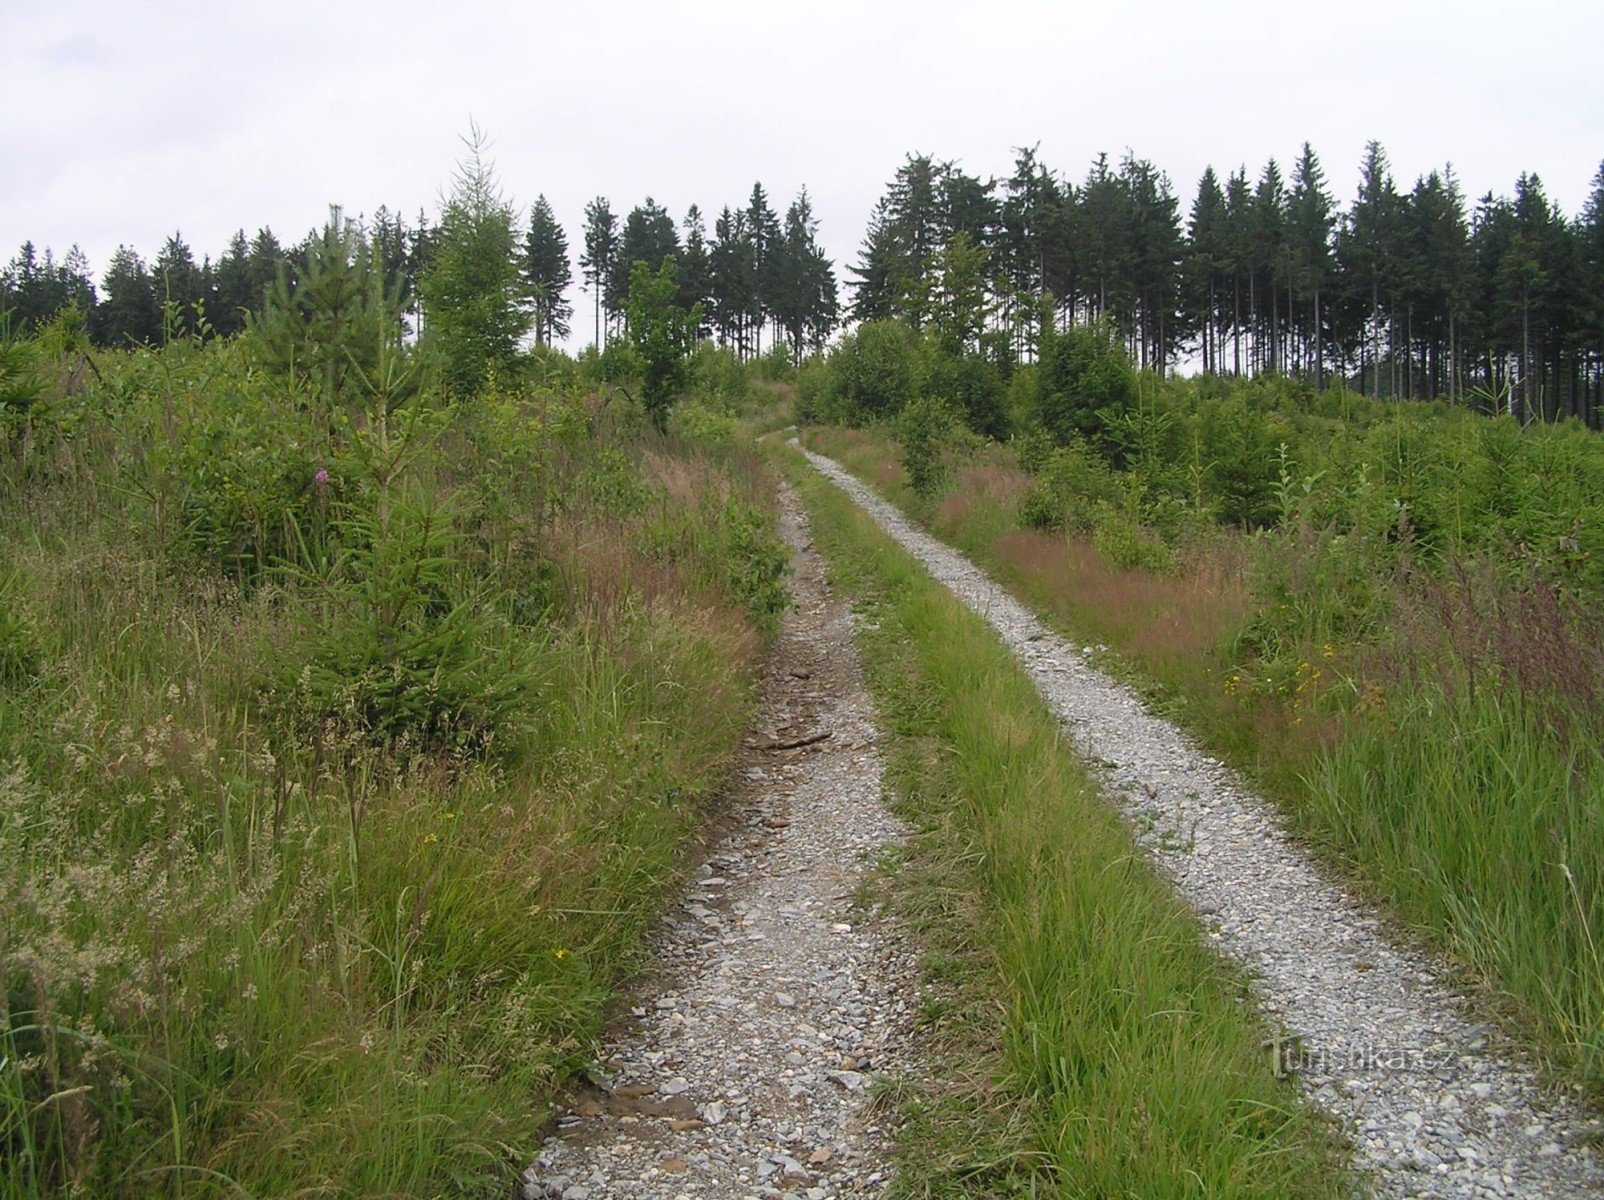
[[744, 1067], [1434, 1103]]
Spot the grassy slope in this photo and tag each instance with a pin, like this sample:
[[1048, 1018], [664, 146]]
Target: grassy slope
[[242, 958], [1091, 1041], [1477, 818]]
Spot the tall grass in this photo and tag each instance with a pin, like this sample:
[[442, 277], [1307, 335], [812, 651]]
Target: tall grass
[[1095, 1045], [268, 925]]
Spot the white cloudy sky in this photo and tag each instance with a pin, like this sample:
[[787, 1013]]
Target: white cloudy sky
[[128, 119]]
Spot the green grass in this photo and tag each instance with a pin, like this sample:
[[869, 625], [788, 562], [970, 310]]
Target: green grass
[[252, 944], [1444, 754], [1481, 822], [1089, 1041]]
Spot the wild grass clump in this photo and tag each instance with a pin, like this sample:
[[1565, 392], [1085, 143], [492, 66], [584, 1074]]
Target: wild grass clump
[[1091, 1042]]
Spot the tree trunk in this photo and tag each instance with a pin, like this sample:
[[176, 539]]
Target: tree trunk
[[1319, 345]]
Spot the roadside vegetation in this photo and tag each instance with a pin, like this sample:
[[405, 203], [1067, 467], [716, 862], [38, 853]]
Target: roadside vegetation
[[1088, 1039], [1387, 613], [356, 695]]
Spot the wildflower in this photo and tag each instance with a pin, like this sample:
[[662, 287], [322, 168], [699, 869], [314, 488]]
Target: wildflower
[[429, 839], [250, 992], [560, 953], [321, 478], [1330, 651], [450, 816]]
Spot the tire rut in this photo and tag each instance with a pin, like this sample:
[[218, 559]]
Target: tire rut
[[743, 1068]]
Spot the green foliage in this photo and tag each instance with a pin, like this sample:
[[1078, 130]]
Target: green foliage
[[872, 372], [400, 652], [703, 423], [924, 430], [19, 648], [328, 326], [754, 563], [474, 294], [21, 381], [322, 882], [1069, 481], [661, 334], [1398, 634], [815, 382], [1241, 445], [970, 384], [1125, 542], [1083, 379]]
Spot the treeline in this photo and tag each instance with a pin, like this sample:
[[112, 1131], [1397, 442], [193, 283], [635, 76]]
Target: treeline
[[757, 274], [174, 295], [1405, 293]]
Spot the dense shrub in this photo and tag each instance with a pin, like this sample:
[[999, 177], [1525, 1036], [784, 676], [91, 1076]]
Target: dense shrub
[[401, 650], [1083, 378], [924, 429], [873, 372]]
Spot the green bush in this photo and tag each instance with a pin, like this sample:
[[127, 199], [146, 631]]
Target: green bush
[[873, 372], [924, 429], [973, 387], [1069, 481], [753, 563], [1125, 542], [401, 652], [1082, 379], [21, 381]]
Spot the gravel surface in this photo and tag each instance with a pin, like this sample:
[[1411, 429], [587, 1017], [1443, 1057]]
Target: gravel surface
[[744, 1067], [1435, 1104]]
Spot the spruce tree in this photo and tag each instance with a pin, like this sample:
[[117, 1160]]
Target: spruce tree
[[547, 273], [696, 269], [476, 306], [130, 313], [599, 259], [1309, 222]]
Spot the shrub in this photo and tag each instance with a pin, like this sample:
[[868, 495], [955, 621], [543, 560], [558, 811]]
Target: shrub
[[1069, 481], [873, 371], [1124, 542], [972, 385], [21, 383], [1084, 376], [753, 562], [925, 428], [399, 654]]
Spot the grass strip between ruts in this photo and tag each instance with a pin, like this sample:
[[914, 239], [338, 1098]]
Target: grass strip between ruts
[[1086, 1039]]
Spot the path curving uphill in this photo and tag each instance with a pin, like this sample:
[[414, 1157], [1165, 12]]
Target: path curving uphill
[[1434, 1104], [744, 1067]]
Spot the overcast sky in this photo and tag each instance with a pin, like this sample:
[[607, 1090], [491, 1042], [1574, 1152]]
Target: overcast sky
[[130, 119]]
